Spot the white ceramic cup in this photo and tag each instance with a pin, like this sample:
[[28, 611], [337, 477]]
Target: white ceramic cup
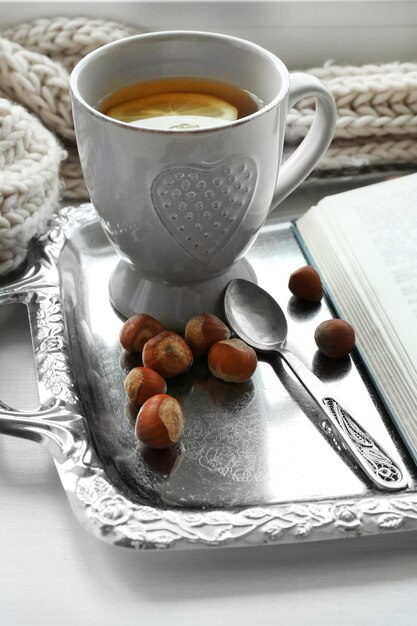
[[182, 207]]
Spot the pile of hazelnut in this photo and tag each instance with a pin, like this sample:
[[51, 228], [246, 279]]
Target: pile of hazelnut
[[165, 354]]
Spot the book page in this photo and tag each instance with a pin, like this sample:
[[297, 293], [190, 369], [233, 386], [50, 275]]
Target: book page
[[379, 225], [364, 244], [396, 245]]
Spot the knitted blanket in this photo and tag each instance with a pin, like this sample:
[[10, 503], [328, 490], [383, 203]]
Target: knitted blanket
[[39, 165], [376, 115]]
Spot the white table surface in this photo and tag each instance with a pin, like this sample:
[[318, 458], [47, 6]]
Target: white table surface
[[53, 573]]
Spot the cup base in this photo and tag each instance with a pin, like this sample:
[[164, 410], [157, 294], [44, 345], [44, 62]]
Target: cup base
[[171, 303]]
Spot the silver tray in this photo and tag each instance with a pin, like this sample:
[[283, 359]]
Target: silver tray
[[254, 465]]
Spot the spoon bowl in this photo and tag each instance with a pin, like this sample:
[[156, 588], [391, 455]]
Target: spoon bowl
[[258, 320], [265, 328]]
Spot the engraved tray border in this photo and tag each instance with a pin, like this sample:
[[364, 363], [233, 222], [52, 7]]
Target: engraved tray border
[[58, 424]]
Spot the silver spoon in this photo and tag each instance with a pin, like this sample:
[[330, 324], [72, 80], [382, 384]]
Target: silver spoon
[[258, 319]]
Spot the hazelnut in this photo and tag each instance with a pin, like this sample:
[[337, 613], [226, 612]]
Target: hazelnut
[[305, 283], [335, 338], [201, 331], [168, 354], [160, 421], [232, 360], [137, 330], [142, 383]]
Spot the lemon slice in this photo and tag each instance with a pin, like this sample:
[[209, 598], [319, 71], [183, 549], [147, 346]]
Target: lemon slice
[[180, 122], [175, 104]]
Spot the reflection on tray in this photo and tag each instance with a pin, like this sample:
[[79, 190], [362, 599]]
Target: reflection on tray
[[243, 445]]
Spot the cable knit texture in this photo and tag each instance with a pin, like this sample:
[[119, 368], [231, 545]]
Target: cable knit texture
[[29, 181], [376, 115], [39, 164], [372, 101]]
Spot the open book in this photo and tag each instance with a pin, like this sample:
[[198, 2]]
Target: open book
[[364, 245]]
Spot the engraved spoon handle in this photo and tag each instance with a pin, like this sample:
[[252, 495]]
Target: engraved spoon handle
[[369, 455]]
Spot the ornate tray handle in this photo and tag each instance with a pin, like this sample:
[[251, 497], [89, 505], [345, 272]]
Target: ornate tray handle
[[59, 425], [56, 423], [53, 426]]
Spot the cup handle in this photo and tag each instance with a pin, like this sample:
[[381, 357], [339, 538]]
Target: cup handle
[[303, 160]]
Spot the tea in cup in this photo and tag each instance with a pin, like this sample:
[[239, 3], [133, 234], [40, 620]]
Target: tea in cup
[[179, 103], [180, 136]]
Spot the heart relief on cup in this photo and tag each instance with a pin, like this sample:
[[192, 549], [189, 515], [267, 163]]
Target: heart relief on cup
[[202, 208]]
